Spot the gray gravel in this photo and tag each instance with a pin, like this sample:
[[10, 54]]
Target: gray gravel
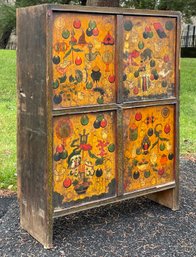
[[133, 228]]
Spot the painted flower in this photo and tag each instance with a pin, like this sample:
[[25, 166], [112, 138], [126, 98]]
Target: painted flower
[[64, 128], [108, 40]]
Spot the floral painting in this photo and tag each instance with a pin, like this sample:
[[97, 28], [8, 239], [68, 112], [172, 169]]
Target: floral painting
[[83, 60], [148, 57], [84, 156], [148, 147]]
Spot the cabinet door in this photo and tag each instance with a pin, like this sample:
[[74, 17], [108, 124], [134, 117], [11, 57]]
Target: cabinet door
[[83, 60], [149, 146], [84, 158], [149, 58], [99, 109]]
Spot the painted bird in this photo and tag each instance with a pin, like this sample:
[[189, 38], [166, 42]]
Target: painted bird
[[132, 55], [62, 68]]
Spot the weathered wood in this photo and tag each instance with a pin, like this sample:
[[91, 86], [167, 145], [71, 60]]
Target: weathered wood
[[34, 173], [143, 192], [108, 3], [36, 116], [169, 198]]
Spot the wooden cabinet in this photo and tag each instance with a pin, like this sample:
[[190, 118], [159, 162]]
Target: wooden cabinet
[[98, 109]]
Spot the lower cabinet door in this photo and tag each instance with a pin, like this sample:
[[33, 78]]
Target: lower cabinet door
[[84, 158], [148, 146]]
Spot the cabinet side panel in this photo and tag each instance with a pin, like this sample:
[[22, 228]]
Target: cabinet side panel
[[32, 136]]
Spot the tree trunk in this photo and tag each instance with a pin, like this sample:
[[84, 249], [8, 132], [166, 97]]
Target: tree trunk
[[108, 3], [5, 38]]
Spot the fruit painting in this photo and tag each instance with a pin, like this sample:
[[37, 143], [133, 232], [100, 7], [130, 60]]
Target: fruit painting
[[148, 147], [84, 152], [149, 58], [83, 60]]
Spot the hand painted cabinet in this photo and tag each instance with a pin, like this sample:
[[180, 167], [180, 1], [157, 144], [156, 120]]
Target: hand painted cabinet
[[98, 109]]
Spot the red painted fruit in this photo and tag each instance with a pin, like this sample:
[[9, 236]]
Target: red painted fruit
[[59, 148], [161, 171], [111, 78], [73, 40], [167, 128], [138, 116], [135, 90], [95, 32], [166, 58], [78, 60], [103, 123], [77, 24], [67, 182], [151, 77]]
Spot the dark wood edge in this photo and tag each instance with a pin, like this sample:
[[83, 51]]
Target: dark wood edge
[[110, 10], [116, 199], [130, 105], [119, 57], [177, 114], [49, 179], [85, 109], [120, 165], [176, 161], [113, 10], [178, 55], [110, 107]]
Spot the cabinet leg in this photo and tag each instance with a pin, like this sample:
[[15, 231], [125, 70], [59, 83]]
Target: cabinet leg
[[168, 198]]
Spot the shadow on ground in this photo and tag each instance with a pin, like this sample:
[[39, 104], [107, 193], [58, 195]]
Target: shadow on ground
[[133, 228]]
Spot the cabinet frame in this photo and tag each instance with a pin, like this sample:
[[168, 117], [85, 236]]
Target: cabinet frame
[[35, 118]]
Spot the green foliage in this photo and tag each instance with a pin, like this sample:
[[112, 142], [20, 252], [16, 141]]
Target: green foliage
[[188, 7], [7, 23], [8, 15]]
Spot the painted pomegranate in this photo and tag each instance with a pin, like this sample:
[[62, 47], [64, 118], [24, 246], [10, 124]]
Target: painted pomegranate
[[103, 123], [77, 24], [167, 128], [78, 60], [67, 182], [60, 148], [138, 116], [111, 78]]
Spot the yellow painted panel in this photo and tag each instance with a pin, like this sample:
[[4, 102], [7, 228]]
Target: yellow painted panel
[[84, 156], [149, 57], [149, 147], [83, 60]]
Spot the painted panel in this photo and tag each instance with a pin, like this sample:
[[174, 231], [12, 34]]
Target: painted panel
[[149, 146], [83, 60], [149, 57], [84, 158]]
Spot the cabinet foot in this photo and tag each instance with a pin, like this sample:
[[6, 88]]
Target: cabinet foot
[[168, 198]]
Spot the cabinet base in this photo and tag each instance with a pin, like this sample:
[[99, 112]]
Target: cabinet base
[[168, 198]]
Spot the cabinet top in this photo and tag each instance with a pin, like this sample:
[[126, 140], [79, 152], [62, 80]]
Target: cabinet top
[[103, 10]]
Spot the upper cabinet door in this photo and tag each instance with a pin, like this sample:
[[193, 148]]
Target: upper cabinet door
[[83, 59], [148, 58]]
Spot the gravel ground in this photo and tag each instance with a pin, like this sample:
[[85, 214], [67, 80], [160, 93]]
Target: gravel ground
[[134, 228]]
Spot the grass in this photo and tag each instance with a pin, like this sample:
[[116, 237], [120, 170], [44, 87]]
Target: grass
[[7, 118], [188, 106], [8, 114]]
